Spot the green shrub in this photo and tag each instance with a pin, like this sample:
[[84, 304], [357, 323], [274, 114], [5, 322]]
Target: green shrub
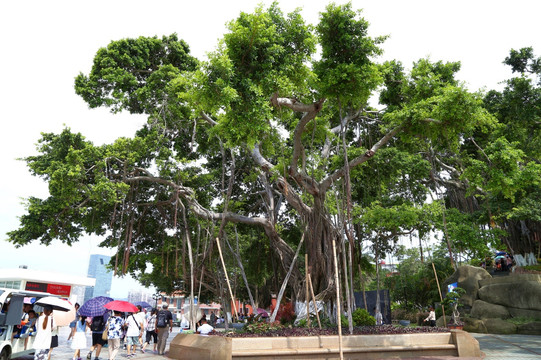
[[262, 327], [421, 316], [361, 317], [532, 267], [402, 314], [439, 312], [344, 321], [522, 320], [325, 322]]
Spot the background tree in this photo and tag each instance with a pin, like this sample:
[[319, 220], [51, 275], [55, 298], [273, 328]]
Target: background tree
[[494, 178]]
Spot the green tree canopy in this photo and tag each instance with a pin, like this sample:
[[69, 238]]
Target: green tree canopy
[[261, 135]]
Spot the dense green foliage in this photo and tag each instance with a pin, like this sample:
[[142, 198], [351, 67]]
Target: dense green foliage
[[264, 142], [414, 285]]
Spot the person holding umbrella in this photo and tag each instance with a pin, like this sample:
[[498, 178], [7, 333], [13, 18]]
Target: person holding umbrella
[[46, 325], [42, 342]]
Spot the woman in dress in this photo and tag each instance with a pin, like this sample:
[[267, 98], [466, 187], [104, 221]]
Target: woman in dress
[[79, 339], [42, 342]]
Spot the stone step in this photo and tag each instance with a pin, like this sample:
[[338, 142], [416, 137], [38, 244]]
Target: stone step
[[448, 349]]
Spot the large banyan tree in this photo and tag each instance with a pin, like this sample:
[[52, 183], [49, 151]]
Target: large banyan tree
[[272, 132]]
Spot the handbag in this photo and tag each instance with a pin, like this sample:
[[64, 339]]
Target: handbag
[[105, 334]]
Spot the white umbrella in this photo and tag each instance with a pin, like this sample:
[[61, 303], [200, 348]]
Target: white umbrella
[[55, 303], [63, 318]]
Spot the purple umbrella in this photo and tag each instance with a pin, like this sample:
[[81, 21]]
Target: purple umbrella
[[262, 312], [94, 306], [143, 304]]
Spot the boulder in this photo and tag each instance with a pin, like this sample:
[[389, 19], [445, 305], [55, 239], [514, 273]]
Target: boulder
[[468, 277], [474, 325], [525, 313], [499, 326], [484, 310], [510, 279], [517, 294], [533, 328]]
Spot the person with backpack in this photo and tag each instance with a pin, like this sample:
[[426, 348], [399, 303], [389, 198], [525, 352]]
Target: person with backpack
[[164, 325], [97, 326]]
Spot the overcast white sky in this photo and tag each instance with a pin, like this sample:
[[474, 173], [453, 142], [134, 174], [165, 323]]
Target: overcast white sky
[[45, 44]]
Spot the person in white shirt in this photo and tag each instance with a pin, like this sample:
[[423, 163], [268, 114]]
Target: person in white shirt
[[135, 330], [205, 328], [184, 324], [378, 316], [44, 328], [431, 317]]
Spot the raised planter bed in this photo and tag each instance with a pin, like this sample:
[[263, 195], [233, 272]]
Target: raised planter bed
[[454, 343]]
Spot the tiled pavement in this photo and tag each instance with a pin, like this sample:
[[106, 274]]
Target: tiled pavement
[[495, 347], [509, 347]]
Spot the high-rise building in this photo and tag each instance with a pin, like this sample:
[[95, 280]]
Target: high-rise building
[[104, 277]]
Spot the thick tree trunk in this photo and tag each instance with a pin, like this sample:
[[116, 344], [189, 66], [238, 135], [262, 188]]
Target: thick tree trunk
[[320, 232], [523, 236]]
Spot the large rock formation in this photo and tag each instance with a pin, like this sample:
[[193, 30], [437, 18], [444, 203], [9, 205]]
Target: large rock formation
[[468, 277], [516, 291], [493, 300]]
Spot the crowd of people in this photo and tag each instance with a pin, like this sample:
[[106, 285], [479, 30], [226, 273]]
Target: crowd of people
[[129, 331], [501, 262]]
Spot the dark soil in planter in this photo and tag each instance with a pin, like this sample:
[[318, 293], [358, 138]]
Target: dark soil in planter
[[362, 330]]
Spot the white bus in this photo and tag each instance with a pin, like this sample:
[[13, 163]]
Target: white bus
[[11, 303]]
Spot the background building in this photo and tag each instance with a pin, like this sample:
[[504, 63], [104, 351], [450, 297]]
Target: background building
[[138, 295], [104, 277], [64, 285]]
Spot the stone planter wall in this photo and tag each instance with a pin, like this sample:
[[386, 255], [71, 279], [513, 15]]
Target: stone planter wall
[[455, 343]]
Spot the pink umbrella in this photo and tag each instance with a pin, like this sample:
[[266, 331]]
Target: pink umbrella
[[262, 312], [122, 306]]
